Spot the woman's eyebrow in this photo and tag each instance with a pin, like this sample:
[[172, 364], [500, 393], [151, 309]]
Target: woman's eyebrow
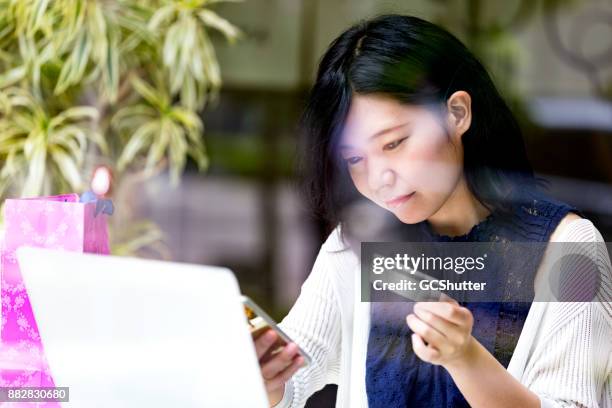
[[377, 134], [388, 130]]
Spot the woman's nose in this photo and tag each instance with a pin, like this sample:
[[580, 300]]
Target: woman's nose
[[380, 176]]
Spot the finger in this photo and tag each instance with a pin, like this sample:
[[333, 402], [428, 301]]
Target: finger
[[426, 332], [423, 352], [284, 376], [453, 313], [264, 342], [279, 362], [446, 328]]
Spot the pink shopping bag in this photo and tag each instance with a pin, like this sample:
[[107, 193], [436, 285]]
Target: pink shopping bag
[[58, 222]]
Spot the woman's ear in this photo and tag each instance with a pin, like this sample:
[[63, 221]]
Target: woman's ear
[[459, 107]]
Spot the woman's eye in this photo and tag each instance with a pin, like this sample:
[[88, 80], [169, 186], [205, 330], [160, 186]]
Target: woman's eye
[[393, 145], [353, 160]]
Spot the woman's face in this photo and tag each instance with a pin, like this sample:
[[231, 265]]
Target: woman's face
[[401, 157]]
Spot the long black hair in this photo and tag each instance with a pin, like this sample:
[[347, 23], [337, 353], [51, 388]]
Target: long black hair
[[413, 62]]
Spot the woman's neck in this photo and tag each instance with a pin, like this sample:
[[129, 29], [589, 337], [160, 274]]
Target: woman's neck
[[459, 213]]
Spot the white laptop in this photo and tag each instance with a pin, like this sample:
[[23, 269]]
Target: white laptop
[[126, 332]]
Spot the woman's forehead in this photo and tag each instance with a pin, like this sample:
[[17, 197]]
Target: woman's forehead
[[370, 115]]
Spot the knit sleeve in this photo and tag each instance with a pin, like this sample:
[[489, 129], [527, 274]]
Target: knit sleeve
[[314, 324], [570, 362]]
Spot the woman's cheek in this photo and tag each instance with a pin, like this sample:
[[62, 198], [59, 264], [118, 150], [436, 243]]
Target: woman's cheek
[[433, 164], [434, 170]]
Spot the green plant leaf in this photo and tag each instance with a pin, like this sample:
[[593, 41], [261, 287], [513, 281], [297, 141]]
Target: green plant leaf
[[12, 76], [137, 142], [36, 173], [158, 147], [160, 17], [37, 15], [74, 67], [111, 72], [67, 167], [212, 19], [74, 114], [148, 93]]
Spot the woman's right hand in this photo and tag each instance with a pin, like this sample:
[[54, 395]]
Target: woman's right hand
[[276, 369]]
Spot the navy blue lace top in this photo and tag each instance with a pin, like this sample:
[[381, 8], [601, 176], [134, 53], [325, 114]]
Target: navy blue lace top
[[395, 376]]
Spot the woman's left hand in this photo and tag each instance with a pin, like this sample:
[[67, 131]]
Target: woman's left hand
[[442, 332]]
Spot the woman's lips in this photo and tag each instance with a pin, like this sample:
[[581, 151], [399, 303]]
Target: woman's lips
[[396, 202]]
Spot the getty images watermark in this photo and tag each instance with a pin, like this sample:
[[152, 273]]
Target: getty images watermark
[[486, 271]]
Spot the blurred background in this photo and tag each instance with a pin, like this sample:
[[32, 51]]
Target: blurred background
[[228, 80]]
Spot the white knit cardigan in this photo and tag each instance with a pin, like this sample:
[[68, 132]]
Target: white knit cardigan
[[563, 353]]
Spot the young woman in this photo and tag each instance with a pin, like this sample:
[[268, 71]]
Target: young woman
[[404, 115]]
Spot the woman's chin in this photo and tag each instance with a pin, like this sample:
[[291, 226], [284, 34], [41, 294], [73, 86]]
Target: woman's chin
[[409, 217]]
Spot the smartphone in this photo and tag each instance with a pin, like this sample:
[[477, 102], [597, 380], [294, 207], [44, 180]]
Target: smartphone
[[259, 322]]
